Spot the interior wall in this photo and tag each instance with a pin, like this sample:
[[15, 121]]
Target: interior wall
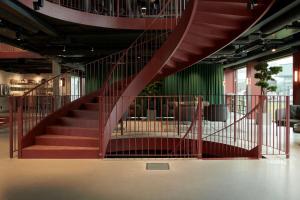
[[199, 79], [5, 77]]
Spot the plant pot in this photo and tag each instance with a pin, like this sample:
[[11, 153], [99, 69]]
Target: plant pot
[[151, 114]]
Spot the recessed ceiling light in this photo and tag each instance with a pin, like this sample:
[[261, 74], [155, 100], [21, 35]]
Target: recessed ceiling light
[[273, 50]]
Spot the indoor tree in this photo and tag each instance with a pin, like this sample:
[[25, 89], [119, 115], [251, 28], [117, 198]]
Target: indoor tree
[[264, 75]]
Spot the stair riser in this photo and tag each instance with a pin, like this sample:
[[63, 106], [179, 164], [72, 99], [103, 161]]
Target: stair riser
[[60, 154], [79, 123], [91, 106], [72, 132], [85, 114], [67, 142]]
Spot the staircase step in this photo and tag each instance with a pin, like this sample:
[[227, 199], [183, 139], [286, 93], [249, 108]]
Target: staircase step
[[64, 140], [91, 106], [227, 8], [77, 122], [73, 131], [220, 19], [41, 151], [85, 114]]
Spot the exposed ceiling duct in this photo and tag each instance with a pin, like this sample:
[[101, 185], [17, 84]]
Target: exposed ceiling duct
[[282, 21]]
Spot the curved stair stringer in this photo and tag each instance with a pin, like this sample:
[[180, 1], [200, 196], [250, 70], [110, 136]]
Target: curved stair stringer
[[222, 36], [143, 78], [85, 18]]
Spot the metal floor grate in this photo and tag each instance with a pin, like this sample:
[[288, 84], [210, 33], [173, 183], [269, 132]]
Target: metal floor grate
[[157, 166]]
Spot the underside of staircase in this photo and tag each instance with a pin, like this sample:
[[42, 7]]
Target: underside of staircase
[[205, 27]]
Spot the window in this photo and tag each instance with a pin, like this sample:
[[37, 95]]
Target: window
[[241, 79], [284, 80], [75, 87]]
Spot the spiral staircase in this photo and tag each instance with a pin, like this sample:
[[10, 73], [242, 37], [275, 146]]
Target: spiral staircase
[[82, 128]]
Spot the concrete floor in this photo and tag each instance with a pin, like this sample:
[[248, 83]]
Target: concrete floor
[[266, 179]]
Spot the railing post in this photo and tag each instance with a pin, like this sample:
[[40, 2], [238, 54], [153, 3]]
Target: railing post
[[87, 5], [287, 126], [11, 127], [260, 126], [234, 117], [20, 127], [101, 128], [199, 127]]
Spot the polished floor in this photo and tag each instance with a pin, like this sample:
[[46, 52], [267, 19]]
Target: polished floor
[[265, 179]]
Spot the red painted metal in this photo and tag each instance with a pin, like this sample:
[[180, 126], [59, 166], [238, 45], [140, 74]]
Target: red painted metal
[[228, 27], [10, 52], [200, 127], [260, 125], [80, 16], [176, 127], [287, 125], [126, 73]]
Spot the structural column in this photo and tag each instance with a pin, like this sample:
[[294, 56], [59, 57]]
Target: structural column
[[252, 90], [229, 86], [296, 78]]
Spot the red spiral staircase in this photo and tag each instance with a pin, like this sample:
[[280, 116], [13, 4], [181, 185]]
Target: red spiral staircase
[[77, 130]]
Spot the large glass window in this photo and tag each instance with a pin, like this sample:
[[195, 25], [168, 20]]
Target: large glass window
[[241, 89], [241, 80], [284, 80], [75, 87]]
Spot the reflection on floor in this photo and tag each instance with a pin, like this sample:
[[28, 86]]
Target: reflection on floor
[[265, 179]]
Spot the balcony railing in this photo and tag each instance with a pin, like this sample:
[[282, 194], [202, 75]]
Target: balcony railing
[[178, 126], [122, 8]]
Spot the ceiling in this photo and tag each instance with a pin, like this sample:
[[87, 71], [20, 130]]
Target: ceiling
[[78, 44], [276, 35]]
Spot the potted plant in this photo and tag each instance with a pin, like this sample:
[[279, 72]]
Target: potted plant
[[264, 75], [152, 89]]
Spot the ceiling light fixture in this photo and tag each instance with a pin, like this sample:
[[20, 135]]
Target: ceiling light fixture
[[64, 49], [92, 49], [274, 50], [18, 36], [143, 10]]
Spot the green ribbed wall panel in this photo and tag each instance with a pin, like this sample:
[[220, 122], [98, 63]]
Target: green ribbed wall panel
[[200, 79]]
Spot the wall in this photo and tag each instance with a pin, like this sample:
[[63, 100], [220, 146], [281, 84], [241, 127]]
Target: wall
[[5, 77], [197, 80], [296, 84], [229, 80]]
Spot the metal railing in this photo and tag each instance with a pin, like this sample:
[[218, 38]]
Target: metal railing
[[109, 75], [126, 65], [124, 8], [155, 127], [205, 126]]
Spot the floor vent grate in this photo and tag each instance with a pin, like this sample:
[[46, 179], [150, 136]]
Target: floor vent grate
[[157, 166]]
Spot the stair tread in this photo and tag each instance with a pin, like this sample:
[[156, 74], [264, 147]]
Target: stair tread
[[84, 110], [45, 147], [72, 127], [50, 136]]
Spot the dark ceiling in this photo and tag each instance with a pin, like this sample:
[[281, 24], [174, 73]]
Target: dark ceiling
[[77, 44], [276, 35], [74, 44]]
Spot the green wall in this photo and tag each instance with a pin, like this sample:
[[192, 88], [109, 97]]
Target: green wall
[[200, 79]]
